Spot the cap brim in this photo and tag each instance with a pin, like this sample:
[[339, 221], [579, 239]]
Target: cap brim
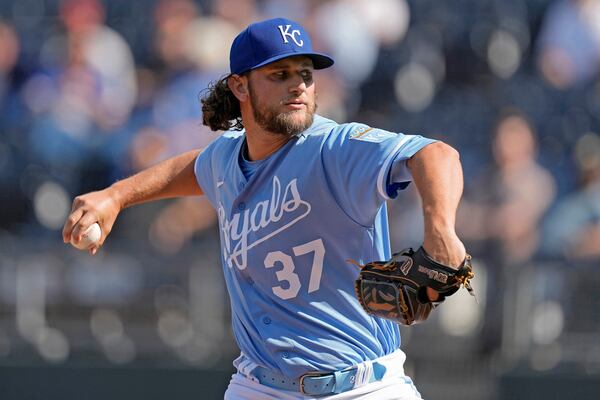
[[320, 61]]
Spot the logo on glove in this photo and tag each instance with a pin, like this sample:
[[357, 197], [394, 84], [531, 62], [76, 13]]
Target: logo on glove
[[406, 266], [435, 275]]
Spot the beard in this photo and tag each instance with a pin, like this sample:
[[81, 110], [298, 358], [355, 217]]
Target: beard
[[281, 123]]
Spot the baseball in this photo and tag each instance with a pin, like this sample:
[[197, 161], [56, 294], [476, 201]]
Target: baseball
[[89, 238]]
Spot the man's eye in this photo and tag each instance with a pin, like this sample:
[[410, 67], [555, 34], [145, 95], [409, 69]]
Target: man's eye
[[307, 75], [280, 75]]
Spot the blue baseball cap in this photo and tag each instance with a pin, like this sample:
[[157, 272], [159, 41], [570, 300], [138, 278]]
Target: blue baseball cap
[[267, 41]]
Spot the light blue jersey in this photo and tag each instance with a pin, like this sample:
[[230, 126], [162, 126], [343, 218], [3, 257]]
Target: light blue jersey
[[286, 236]]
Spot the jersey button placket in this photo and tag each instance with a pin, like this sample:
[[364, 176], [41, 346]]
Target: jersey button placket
[[241, 206], [266, 320]]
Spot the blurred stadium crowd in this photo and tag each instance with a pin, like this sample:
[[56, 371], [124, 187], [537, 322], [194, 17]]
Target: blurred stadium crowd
[[92, 91]]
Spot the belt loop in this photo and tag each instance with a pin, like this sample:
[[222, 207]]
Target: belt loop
[[364, 372], [338, 377]]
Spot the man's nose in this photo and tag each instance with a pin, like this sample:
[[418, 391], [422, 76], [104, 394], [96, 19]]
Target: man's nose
[[298, 85]]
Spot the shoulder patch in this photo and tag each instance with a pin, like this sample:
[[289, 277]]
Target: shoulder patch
[[368, 134]]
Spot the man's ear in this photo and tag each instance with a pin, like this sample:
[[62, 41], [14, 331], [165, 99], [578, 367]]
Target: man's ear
[[238, 85]]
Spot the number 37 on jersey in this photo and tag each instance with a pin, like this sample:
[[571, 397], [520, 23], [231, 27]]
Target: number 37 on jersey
[[285, 268]]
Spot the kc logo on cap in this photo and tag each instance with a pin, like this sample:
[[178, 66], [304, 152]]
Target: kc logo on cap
[[286, 32], [267, 41]]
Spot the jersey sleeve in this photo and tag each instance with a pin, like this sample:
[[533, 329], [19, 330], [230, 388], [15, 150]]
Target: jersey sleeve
[[203, 169], [366, 166]]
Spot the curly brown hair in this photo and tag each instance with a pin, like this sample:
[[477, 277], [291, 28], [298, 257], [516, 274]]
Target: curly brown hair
[[220, 107]]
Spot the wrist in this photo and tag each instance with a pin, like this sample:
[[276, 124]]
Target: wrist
[[116, 193], [444, 247]]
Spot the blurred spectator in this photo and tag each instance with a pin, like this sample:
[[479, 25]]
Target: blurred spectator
[[193, 51], [240, 13], [505, 204], [572, 229], [13, 119], [10, 79], [384, 24], [9, 43], [334, 23], [104, 53], [291, 9], [82, 97], [172, 18], [569, 43], [500, 214]]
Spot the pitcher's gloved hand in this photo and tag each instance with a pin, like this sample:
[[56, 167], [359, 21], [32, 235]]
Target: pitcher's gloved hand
[[397, 289]]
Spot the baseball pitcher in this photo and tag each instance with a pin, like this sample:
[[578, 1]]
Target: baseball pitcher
[[298, 196]]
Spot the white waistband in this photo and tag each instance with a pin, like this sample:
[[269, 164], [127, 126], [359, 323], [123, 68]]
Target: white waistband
[[393, 363]]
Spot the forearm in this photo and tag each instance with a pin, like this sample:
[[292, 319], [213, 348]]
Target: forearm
[[437, 174], [170, 178]]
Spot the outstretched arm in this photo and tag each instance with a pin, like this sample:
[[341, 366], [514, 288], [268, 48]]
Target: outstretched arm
[[171, 178], [437, 173]]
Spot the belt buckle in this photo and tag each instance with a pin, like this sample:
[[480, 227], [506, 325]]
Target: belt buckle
[[309, 374]]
